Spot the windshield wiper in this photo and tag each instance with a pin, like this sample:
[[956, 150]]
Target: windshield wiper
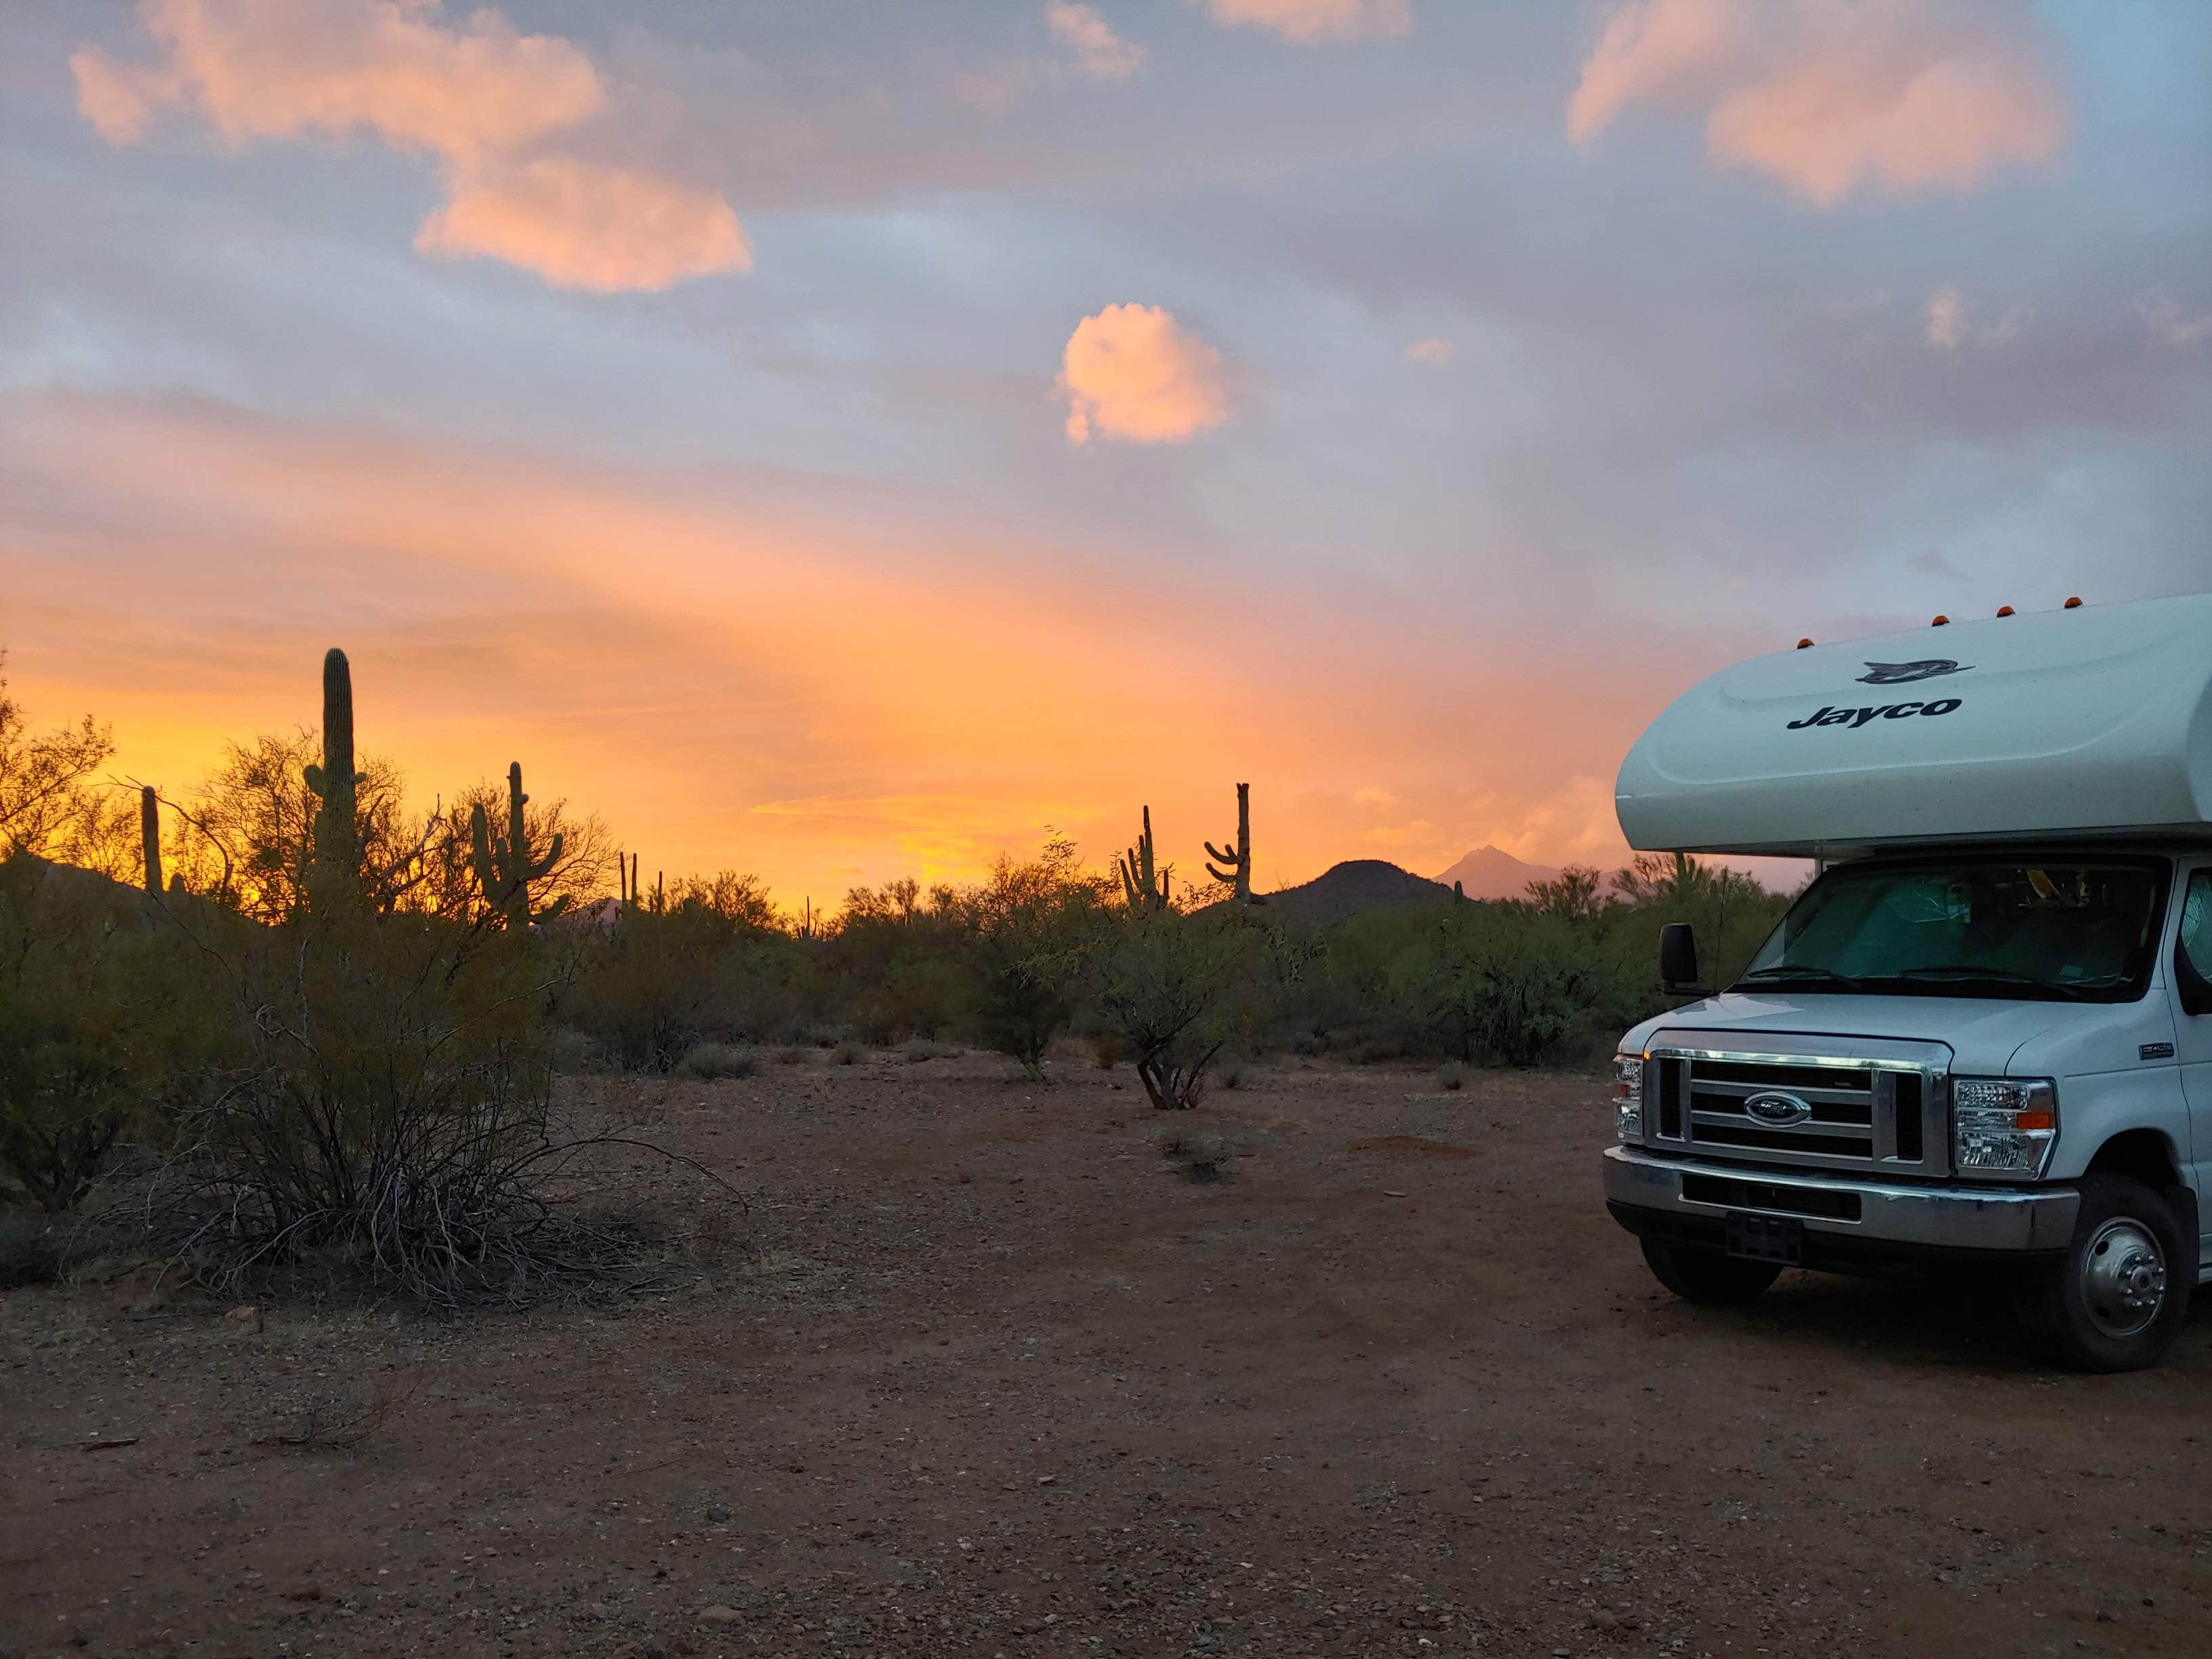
[[1966, 975], [1791, 970]]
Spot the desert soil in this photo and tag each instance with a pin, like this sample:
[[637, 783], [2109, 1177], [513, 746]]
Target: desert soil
[[981, 1371]]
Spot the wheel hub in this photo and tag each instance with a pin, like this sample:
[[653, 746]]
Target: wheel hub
[[2123, 1277]]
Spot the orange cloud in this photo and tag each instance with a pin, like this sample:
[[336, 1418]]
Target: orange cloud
[[1311, 22], [505, 114], [581, 225], [1100, 53], [1833, 96], [1132, 373], [1434, 353]]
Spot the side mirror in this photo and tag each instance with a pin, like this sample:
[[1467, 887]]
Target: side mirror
[[1678, 960], [2189, 980]]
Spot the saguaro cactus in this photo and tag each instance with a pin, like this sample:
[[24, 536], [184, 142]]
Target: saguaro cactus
[[334, 870], [1238, 869], [150, 832], [1143, 885], [504, 866]]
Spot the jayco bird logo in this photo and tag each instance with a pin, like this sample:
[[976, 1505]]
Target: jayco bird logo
[[1904, 673]]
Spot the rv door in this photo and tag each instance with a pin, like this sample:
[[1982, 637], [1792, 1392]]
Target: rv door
[[2193, 1033]]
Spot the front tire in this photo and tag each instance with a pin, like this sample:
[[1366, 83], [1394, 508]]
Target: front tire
[[1707, 1277], [2118, 1298]]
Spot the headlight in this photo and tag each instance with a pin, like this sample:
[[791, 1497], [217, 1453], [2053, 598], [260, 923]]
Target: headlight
[[2003, 1127], [1628, 1096]]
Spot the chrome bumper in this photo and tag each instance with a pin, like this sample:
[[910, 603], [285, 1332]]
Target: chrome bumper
[[1942, 1218]]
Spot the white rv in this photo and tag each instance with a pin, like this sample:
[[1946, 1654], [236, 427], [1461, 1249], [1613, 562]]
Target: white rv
[[1983, 1035]]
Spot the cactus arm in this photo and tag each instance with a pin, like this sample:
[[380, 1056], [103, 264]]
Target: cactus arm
[[487, 867], [544, 867]]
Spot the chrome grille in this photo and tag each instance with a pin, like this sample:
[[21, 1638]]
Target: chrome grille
[[1873, 1107]]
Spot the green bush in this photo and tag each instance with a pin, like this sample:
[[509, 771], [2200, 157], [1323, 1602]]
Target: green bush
[[1173, 987], [717, 1059], [108, 1019], [1026, 932]]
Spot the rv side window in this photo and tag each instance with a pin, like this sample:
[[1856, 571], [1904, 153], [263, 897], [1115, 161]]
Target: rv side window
[[2197, 923]]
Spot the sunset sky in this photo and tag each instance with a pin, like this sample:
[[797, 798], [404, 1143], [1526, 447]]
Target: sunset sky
[[838, 439]]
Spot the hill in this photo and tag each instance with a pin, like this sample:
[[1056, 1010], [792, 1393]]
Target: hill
[[1488, 873], [1356, 884]]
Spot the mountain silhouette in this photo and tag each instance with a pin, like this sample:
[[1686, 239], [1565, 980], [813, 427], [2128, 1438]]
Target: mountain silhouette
[[1488, 873]]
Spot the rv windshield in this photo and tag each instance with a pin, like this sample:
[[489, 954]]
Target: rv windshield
[[2063, 930]]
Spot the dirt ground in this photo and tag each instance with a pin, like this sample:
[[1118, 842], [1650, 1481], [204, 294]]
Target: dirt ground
[[981, 1372]]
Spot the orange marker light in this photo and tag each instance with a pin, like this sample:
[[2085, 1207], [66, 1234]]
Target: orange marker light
[[2004, 610], [2073, 603], [2034, 1121], [1942, 621]]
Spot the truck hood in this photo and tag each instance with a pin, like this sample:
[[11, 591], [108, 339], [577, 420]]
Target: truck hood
[[1986, 1035]]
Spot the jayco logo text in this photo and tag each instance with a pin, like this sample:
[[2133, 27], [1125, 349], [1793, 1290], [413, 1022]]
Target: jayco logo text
[[1855, 718]]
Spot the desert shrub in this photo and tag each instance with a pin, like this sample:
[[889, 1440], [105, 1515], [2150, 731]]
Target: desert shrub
[[1506, 982], [1202, 1157], [1172, 986], [1107, 1050], [659, 983], [390, 1113], [791, 1054], [571, 1054], [717, 1059], [850, 1052], [1452, 1075], [1026, 933], [1229, 1073], [105, 1025], [31, 1249], [918, 1050]]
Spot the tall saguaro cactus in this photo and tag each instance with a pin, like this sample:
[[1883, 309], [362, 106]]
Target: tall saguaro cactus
[[1143, 884], [334, 870], [1238, 869], [150, 832], [503, 864]]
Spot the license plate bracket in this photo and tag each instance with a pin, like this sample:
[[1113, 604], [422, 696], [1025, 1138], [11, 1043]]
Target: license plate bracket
[[1763, 1238]]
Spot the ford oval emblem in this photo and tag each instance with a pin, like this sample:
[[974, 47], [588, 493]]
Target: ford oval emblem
[[1778, 1110]]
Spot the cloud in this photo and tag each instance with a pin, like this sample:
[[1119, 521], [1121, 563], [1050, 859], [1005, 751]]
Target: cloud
[[1947, 318], [1949, 326], [1375, 796], [1433, 352], [1833, 96], [579, 224], [1132, 373], [1100, 54], [1311, 22], [2163, 318], [520, 124]]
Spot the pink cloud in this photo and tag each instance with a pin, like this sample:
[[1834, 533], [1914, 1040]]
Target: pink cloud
[[581, 225], [1833, 96], [1311, 22], [1100, 54], [1433, 352], [506, 115], [1132, 373], [2166, 321]]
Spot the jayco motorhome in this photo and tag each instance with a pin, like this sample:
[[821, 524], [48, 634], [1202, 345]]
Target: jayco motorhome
[[1982, 1037]]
